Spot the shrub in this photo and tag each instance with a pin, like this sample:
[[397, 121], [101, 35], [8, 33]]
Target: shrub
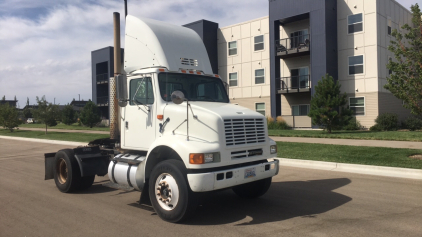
[[353, 124], [387, 121], [279, 123], [375, 128], [412, 123]]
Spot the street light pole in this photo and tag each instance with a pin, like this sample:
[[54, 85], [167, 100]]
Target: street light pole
[[79, 97]]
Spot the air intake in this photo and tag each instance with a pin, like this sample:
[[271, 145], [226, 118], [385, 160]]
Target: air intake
[[189, 62], [244, 131]]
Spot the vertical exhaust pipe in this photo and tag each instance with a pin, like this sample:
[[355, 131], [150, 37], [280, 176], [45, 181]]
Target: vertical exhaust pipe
[[114, 107]]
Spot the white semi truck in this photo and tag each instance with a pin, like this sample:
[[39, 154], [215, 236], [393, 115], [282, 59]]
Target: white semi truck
[[179, 135]]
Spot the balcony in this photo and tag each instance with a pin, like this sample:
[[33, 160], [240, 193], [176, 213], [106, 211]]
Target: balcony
[[294, 84], [102, 101], [102, 78], [294, 46]]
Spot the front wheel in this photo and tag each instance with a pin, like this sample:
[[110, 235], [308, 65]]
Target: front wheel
[[169, 192], [254, 189]]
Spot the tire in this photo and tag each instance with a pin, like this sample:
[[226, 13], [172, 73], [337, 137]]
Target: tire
[[254, 189], [67, 174], [86, 182], [169, 192]]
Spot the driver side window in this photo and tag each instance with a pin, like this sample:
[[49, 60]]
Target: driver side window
[[141, 91]]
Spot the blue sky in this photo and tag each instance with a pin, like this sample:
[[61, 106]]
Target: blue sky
[[46, 45]]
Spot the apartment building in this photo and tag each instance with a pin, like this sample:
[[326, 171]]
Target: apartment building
[[273, 63]]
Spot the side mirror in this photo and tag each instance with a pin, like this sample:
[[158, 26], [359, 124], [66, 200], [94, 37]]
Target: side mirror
[[177, 97], [121, 90]]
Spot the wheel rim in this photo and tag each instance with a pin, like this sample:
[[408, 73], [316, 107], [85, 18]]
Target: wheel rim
[[166, 191], [62, 171]]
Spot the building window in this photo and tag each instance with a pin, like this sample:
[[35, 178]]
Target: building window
[[300, 110], [233, 48], [259, 76], [357, 105], [259, 43], [389, 24], [233, 79], [355, 23], [260, 108], [356, 65]]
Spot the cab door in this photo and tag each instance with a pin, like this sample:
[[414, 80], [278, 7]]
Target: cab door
[[139, 123]]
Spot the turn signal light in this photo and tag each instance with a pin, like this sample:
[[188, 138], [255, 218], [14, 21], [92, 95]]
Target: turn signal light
[[161, 70], [160, 117], [216, 75], [184, 71], [195, 158]]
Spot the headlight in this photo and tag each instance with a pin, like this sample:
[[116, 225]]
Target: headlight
[[273, 149], [203, 158]]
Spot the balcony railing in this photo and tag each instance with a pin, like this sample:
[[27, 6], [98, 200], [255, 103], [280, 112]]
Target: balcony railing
[[102, 78], [102, 101], [294, 84], [293, 45]]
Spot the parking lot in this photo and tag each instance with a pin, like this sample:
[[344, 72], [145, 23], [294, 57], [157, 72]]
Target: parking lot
[[300, 202]]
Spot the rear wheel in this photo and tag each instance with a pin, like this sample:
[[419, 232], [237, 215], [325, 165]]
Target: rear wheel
[[169, 191], [254, 189], [67, 174]]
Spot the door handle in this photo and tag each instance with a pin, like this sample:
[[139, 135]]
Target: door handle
[[127, 125]]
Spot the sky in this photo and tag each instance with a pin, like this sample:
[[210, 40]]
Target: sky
[[45, 46]]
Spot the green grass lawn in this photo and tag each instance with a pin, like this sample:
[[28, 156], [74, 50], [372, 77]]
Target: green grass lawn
[[76, 137], [366, 135], [379, 156], [74, 126]]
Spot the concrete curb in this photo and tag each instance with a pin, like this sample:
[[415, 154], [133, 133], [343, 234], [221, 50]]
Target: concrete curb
[[68, 143], [307, 164], [352, 168]]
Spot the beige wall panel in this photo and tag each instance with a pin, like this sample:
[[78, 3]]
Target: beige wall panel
[[222, 54], [381, 84], [255, 28], [371, 29], [246, 50], [256, 91], [295, 62], [370, 58], [246, 74], [245, 30], [355, 40], [371, 84], [397, 12], [371, 108], [220, 36], [302, 122], [296, 26], [357, 85], [370, 6], [250, 103], [382, 63], [266, 52], [227, 34], [342, 9], [256, 55], [298, 98], [347, 86], [266, 65], [237, 92], [289, 120], [390, 104], [246, 92], [382, 8], [343, 64], [285, 106], [238, 58], [266, 90], [236, 33], [359, 6], [265, 26], [342, 34]]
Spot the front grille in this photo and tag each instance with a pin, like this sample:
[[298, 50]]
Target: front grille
[[246, 153], [244, 131]]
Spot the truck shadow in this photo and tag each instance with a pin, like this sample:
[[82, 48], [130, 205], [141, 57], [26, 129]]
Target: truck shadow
[[283, 201]]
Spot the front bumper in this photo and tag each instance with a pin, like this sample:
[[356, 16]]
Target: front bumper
[[204, 182]]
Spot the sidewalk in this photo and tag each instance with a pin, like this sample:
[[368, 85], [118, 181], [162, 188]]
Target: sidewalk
[[351, 142], [65, 130]]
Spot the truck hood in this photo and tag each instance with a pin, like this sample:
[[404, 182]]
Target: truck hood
[[208, 125]]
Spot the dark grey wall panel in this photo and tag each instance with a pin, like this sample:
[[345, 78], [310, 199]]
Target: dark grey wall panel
[[323, 36], [207, 30]]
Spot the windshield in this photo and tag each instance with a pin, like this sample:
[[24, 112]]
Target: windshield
[[195, 87]]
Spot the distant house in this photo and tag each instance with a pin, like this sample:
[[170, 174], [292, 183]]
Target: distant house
[[78, 103], [9, 102]]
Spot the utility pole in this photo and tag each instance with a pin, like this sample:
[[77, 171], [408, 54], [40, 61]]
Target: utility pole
[[79, 97]]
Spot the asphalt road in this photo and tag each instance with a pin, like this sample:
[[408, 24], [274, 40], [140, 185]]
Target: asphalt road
[[300, 202]]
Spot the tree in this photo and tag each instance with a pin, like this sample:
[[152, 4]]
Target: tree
[[405, 82], [90, 115], [9, 117], [68, 115], [27, 112], [27, 101], [46, 113], [4, 98], [326, 103]]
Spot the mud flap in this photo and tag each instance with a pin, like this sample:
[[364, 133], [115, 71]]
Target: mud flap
[[49, 165], [144, 199]]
